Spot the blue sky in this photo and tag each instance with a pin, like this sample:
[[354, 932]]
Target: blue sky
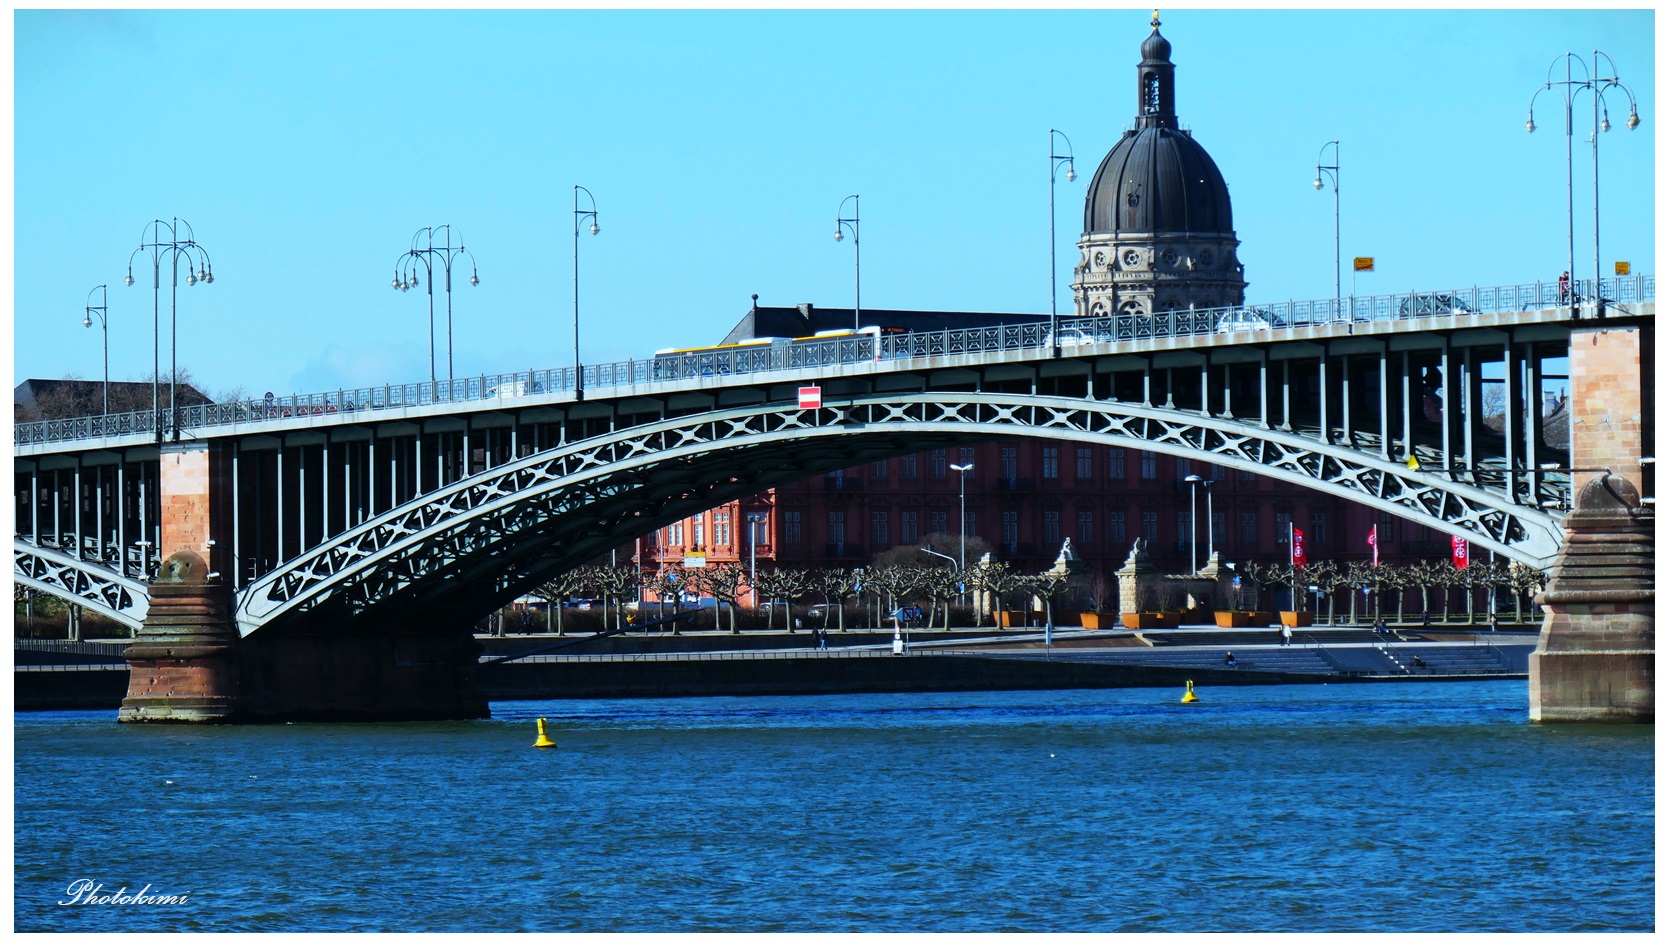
[[306, 147]]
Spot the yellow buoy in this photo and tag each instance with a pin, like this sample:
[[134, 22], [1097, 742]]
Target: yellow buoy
[[1190, 698], [545, 741]]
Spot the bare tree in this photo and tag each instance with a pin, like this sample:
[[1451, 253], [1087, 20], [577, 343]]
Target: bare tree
[[556, 589]]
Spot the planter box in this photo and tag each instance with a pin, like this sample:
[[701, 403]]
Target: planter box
[[1099, 620], [1151, 620], [1295, 619], [1263, 619], [1235, 619], [1010, 618]]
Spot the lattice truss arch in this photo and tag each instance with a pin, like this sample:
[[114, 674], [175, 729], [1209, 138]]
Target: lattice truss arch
[[83, 582], [518, 508]]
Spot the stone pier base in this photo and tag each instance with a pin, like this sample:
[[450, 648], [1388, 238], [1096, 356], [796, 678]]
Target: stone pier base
[[184, 658], [1595, 658]]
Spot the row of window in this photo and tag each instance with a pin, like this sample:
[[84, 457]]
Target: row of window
[[1052, 524], [1116, 465]]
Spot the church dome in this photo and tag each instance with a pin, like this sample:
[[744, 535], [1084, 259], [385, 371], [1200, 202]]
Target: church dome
[[1157, 179]]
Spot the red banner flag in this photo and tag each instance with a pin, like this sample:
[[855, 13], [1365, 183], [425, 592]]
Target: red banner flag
[[1298, 547], [1460, 552], [1372, 540]]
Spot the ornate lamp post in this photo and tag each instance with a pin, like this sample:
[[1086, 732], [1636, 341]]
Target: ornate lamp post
[[753, 519], [1209, 510], [578, 217], [102, 309], [963, 469], [1054, 162], [1334, 171], [855, 223], [198, 269], [405, 278], [1569, 88]]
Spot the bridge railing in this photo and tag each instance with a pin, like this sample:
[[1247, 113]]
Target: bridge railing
[[1236, 322]]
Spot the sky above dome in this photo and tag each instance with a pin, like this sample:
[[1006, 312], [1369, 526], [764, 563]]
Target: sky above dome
[[305, 147]]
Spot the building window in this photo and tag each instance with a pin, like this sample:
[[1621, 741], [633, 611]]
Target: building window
[[1281, 523], [674, 535], [879, 528], [758, 531], [1216, 473], [836, 480], [700, 532], [790, 528], [1182, 468], [1148, 465], [1385, 529], [1183, 526], [720, 529], [966, 461], [1009, 530], [1050, 462], [1148, 526], [939, 463], [1316, 520], [877, 470], [1084, 464], [940, 522], [1050, 528], [909, 467], [1217, 525], [1246, 475], [1009, 463], [1116, 528], [1247, 537], [971, 524], [1084, 528], [836, 529], [1116, 465], [911, 527]]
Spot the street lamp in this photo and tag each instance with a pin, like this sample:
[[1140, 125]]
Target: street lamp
[[595, 228], [198, 269], [963, 469], [753, 519], [855, 224], [1570, 89], [1209, 510], [405, 278], [1054, 161], [102, 309], [1334, 171]]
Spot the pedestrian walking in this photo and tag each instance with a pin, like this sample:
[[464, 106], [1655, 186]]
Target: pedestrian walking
[[1284, 630], [1562, 288], [821, 638]]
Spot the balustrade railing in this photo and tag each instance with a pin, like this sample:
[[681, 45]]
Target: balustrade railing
[[1229, 323]]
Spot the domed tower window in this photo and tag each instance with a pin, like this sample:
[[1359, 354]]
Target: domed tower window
[[1131, 307], [1153, 94]]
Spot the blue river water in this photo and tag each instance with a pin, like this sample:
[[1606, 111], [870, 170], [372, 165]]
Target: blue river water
[[1350, 807]]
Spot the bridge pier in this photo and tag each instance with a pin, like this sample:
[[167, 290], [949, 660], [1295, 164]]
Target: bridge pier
[[1595, 657], [190, 665]]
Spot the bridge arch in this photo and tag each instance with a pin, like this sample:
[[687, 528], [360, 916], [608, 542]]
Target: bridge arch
[[489, 537], [82, 582]]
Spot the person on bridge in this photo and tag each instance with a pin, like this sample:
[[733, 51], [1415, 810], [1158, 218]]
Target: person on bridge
[[1562, 288]]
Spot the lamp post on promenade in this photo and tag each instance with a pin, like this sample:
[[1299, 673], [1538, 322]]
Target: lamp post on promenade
[[753, 519], [1193, 481], [198, 269], [963, 469], [102, 309], [405, 278], [595, 229], [1569, 88], [1335, 172], [853, 221], [1054, 162], [1209, 511]]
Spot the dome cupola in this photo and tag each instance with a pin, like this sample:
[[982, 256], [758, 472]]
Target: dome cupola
[[1157, 222]]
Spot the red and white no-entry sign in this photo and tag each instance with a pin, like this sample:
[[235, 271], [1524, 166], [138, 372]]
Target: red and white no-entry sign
[[809, 397]]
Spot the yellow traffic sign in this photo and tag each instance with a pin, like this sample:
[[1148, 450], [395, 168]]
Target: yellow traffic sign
[[1365, 263], [1622, 268]]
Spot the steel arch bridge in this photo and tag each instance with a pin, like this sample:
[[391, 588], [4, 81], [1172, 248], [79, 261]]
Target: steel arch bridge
[[499, 532], [392, 514]]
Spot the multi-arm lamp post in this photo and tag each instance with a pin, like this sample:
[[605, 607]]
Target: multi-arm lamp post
[[1569, 89], [578, 217], [1054, 162], [405, 278], [854, 221], [198, 269], [102, 309], [1335, 173]]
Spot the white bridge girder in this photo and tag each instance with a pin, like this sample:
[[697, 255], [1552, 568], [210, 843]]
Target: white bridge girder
[[485, 522], [83, 582]]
